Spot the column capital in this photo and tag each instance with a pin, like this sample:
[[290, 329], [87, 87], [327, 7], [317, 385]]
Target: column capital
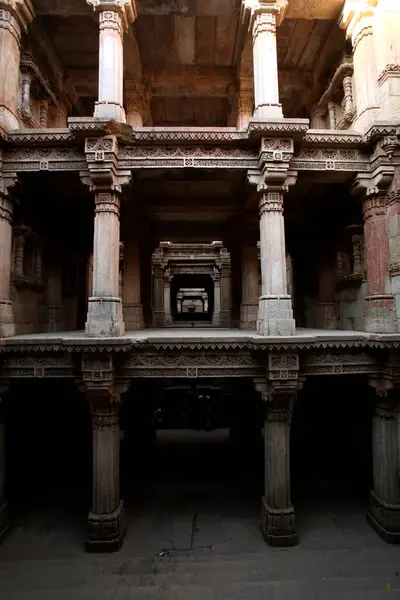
[[16, 15], [355, 14], [103, 174], [125, 8], [375, 183], [275, 8]]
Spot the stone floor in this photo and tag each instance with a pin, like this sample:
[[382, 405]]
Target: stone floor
[[208, 334], [200, 502]]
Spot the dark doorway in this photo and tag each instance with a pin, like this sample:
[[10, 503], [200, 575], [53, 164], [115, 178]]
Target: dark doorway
[[192, 299]]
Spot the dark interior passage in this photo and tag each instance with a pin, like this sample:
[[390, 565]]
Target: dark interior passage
[[331, 440], [192, 298]]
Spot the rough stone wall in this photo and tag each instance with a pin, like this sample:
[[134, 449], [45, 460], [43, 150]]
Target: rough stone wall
[[350, 303], [28, 310]]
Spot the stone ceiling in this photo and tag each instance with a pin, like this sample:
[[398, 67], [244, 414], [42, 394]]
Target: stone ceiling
[[189, 52]]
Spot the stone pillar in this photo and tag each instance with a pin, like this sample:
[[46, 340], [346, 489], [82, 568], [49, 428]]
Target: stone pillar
[[217, 298], [167, 298], [106, 522], [275, 313], [105, 317], [358, 20], [133, 309], [250, 287], [158, 296], [14, 18], [6, 314], [225, 295], [387, 53], [54, 308], [115, 15], [245, 103], [265, 18], [384, 510], [277, 512], [380, 311], [4, 516]]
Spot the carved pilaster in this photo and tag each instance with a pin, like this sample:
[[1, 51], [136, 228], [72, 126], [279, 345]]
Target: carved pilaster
[[384, 509]]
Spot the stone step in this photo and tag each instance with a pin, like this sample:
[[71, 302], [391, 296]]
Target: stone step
[[331, 590]]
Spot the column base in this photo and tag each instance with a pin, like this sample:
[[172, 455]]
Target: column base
[[216, 320], [159, 318], [248, 316], [278, 525], [380, 314], [225, 318], [275, 316], [109, 110], [106, 532], [7, 326], [326, 315], [133, 317], [5, 523], [105, 318], [54, 318], [268, 111], [384, 518]]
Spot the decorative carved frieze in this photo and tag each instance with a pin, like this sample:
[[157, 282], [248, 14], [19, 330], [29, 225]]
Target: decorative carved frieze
[[338, 364], [43, 159], [38, 367]]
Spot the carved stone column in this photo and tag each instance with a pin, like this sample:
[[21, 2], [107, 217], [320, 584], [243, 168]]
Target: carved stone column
[[133, 309], [106, 522], [387, 52], [6, 314], [158, 296], [217, 298], [277, 512], [4, 516], [226, 289], [265, 18], [380, 311], [14, 19], [250, 287], [114, 18], [105, 317], [358, 22], [384, 510], [275, 313]]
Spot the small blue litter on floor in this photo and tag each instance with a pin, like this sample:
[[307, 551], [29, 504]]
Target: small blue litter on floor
[[164, 554]]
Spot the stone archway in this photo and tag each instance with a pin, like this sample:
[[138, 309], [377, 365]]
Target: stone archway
[[195, 260]]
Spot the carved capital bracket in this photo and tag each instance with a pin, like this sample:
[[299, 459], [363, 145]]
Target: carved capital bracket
[[282, 379], [125, 8], [103, 170], [375, 183], [252, 10], [272, 180], [16, 15]]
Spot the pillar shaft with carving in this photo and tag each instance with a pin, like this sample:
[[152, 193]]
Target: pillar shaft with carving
[[277, 512], [245, 103], [358, 21], [14, 18], [384, 510], [217, 298], [106, 523], [114, 18], [133, 309], [54, 308], [105, 317], [380, 312], [265, 18], [136, 100], [250, 287], [275, 314], [6, 315]]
